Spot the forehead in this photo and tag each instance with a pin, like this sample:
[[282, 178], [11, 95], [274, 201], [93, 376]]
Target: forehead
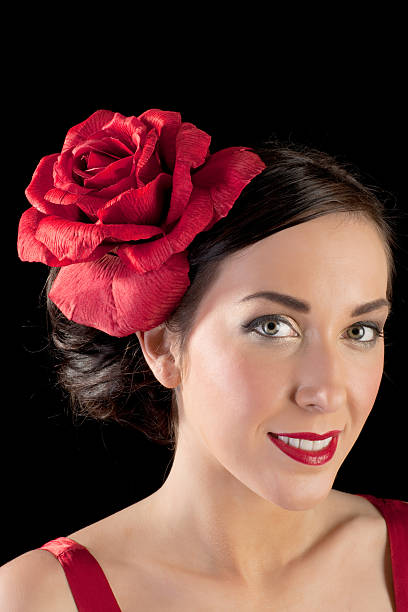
[[334, 256], [330, 238]]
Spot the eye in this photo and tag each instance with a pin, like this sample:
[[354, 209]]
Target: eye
[[359, 328], [271, 324]]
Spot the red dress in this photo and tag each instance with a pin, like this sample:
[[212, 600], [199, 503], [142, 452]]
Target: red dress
[[92, 592]]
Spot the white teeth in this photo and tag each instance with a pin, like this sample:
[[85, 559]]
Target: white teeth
[[294, 442], [306, 444], [319, 444]]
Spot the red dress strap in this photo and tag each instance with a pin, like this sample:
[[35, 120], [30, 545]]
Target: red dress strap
[[395, 513], [88, 583]]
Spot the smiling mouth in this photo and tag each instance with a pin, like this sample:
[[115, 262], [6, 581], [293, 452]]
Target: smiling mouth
[[316, 451], [307, 435]]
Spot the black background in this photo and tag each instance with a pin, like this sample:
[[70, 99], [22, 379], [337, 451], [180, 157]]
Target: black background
[[57, 478]]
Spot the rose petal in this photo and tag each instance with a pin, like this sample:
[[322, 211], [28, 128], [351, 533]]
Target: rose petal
[[148, 163], [69, 178], [228, 176], [111, 191], [128, 129], [146, 256], [110, 175], [76, 241], [191, 151], [106, 146], [196, 217], [96, 161], [151, 255], [28, 247], [89, 204], [145, 205], [107, 295], [225, 174], [84, 130], [41, 183], [99, 154], [63, 179], [166, 124], [63, 174]]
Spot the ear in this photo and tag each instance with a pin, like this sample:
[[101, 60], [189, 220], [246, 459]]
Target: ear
[[157, 347]]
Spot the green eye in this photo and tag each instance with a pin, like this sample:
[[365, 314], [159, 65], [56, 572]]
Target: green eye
[[259, 322]]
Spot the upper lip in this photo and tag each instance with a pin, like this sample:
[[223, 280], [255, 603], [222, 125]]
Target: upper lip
[[308, 435]]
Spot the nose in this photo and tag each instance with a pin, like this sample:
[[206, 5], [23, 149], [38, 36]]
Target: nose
[[320, 376], [320, 398]]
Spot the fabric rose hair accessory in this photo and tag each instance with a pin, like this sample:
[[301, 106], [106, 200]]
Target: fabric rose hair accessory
[[117, 209]]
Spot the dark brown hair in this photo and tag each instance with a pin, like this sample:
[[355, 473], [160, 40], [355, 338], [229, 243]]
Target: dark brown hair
[[107, 378]]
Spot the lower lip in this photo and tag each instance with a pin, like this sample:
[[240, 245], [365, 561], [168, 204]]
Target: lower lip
[[318, 457]]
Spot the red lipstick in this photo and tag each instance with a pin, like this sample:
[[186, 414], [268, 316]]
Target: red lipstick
[[308, 435], [309, 457]]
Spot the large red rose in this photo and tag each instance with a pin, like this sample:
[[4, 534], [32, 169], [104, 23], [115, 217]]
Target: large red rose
[[117, 208]]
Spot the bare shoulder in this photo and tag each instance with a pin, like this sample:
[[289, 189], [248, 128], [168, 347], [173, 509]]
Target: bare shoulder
[[361, 512], [33, 582], [354, 505], [363, 525]]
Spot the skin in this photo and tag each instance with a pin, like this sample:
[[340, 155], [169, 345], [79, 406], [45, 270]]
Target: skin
[[242, 507]]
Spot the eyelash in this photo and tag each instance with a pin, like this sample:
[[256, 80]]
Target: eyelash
[[250, 327]]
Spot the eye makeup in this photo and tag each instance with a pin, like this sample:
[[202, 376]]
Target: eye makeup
[[251, 327]]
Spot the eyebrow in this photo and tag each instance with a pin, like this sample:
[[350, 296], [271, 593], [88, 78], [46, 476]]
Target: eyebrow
[[302, 306]]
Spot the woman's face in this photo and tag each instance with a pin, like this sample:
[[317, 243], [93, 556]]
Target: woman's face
[[313, 371]]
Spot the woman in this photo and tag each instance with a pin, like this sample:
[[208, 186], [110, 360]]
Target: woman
[[224, 305]]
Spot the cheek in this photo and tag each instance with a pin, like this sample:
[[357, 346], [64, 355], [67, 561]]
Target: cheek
[[231, 387], [364, 383]]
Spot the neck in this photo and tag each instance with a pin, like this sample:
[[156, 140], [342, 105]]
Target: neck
[[216, 524]]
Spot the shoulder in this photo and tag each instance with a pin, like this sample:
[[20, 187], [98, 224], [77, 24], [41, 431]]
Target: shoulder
[[33, 582], [358, 520]]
